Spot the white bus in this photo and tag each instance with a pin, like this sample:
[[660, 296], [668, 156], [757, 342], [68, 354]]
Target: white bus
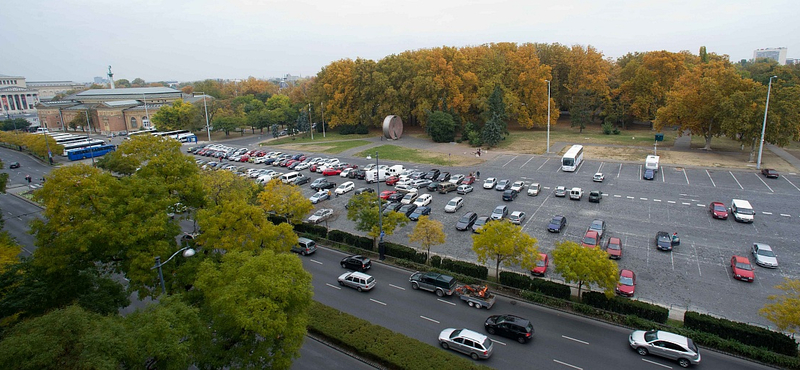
[[141, 132], [572, 158], [80, 145]]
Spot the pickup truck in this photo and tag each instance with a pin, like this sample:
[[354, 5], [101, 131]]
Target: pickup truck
[[440, 284], [476, 296]]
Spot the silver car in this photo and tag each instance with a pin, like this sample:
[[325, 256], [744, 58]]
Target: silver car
[[764, 256], [357, 280], [321, 215], [665, 344], [499, 213], [474, 344]]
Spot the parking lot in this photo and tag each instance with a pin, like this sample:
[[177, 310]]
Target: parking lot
[[695, 275]]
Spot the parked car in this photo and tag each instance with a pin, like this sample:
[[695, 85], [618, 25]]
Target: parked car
[[665, 344], [599, 226], [464, 189], [387, 193], [575, 193], [405, 189], [396, 197], [345, 188], [764, 255], [769, 173], [301, 180], [319, 197], [541, 265], [534, 189], [627, 283], [499, 213], [419, 212], [356, 262], [432, 186], [502, 185], [614, 248], [476, 345], [518, 186], [591, 239], [392, 180], [557, 224], [321, 215], [598, 177], [489, 183], [420, 183], [517, 217], [469, 180], [390, 207], [510, 326], [322, 183], [478, 224], [742, 269], [423, 200], [457, 178], [649, 174], [357, 280], [560, 191], [444, 176], [407, 209], [433, 174], [595, 196], [365, 190], [466, 221], [509, 195], [664, 241], [454, 205], [718, 210], [410, 198]]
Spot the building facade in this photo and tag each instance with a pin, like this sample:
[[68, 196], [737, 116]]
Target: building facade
[[16, 98], [49, 89], [776, 54]]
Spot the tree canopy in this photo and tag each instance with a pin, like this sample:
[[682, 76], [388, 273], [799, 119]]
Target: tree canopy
[[505, 242], [585, 266], [427, 233]]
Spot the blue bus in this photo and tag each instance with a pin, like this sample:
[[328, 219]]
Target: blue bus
[[93, 151]]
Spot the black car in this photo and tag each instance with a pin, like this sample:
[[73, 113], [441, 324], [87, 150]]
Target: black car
[[595, 196], [300, 180], [14, 165], [356, 262], [557, 224], [664, 241], [769, 173], [407, 209], [649, 174], [432, 174], [396, 197], [322, 183], [510, 194], [510, 326], [444, 176], [419, 212], [363, 190], [466, 221], [432, 186], [389, 207]]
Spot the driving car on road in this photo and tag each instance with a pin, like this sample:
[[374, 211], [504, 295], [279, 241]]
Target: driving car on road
[[517, 217], [665, 344], [627, 283], [718, 210], [320, 215], [464, 189], [557, 224], [356, 262], [13, 165], [466, 221], [510, 326], [764, 256], [742, 269], [541, 265], [560, 191], [769, 173], [357, 280], [489, 183], [598, 177], [476, 345], [614, 248]]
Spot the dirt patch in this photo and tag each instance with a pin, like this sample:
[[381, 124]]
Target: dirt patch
[[697, 158]]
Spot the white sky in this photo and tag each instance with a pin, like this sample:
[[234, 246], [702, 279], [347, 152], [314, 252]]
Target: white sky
[[193, 40]]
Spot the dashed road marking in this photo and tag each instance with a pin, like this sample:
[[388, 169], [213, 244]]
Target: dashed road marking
[[397, 287], [785, 215], [443, 301], [671, 202], [701, 205], [429, 319], [566, 364], [766, 213], [498, 342], [656, 363], [685, 204], [617, 196], [629, 197], [333, 286], [378, 302], [737, 181], [642, 198], [315, 261], [656, 200], [573, 339]]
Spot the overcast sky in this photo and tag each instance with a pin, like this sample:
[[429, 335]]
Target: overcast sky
[[194, 40]]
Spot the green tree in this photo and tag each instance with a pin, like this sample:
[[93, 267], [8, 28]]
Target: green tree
[[427, 233], [585, 266], [784, 309], [284, 200], [441, 127], [492, 132], [581, 110], [259, 305], [124, 83], [505, 242], [20, 124], [138, 82], [179, 116], [78, 121], [364, 210]]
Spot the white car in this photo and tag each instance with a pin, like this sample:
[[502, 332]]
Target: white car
[[533, 189], [301, 166], [454, 204], [320, 215], [598, 177], [463, 189], [576, 193], [457, 178], [423, 200], [260, 159], [409, 198], [517, 217], [764, 255], [346, 187], [404, 181], [518, 185], [490, 183], [405, 189], [345, 172]]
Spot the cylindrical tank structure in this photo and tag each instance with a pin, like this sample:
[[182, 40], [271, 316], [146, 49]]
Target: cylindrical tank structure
[[392, 127]]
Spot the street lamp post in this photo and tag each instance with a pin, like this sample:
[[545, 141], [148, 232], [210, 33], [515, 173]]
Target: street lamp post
[[380, 212], [764, 126], [88, 130], [548, 116], [208, 130], [187, 252], [309, 122]]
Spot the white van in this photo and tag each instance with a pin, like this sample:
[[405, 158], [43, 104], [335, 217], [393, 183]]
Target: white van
[[373, 176], [742, 210], [289, 177], [395, 170], [651, 163]]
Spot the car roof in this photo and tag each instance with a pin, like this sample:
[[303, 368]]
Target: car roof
[[473, 335], [360, 275], [672, 337], [592, 232], [517, 213], [763, 246], [742, 259]]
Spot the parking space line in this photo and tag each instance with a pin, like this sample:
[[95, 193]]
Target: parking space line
[[672, 259], [315, 261], [601, 167], [540, 167], [640, 172], [697, 260], [737, 181], [762, 181], [785, 215], [685, 175], [498, 342], [662, 175], [671, 202], [510, 160], [526, 162], [795, 186], [620, 170], [712, 180]]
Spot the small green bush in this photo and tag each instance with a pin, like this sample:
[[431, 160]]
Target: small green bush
[[312, 229], [347, 129], [436, 261], [515, 280], [607, 127], [616, 131], [361, 130], [400, 251], [338, 236]]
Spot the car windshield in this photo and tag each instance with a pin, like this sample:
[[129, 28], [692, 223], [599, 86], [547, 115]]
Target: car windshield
[[480, 221], [455, 333], [540, 263], [650, 336], [745, 211], [452, 203], [744, 266], [663, 237], [613, 246], [626, 280], [719, 208], [319, 213], [589, 239], [498, 210], [556, 220], [465, 218], [766, 253]]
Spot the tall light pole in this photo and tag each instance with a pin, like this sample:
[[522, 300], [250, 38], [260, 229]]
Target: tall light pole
[[380, 211], [208, 130], [187, 252], [548, 117], [322, 107], [309, 122], [764, 126], [88, 130]]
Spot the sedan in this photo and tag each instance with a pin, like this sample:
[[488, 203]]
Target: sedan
[[466, 221], [599, 226], [502, 185], [301, 166], [419, 212], [517, 217], [356, 262], [769, 173], [319, 196], [541, 265], [345, 172], [664, 241], [742, 269], [469, 180], [510, 195], [560, 191], [478, 224], [764, 255], [392, 180], [322, 183], [649, 174], [718, 210], [499, 213], [396, 197], [518, 185], [420, 183], [627, 283], [320, 215], [510, 326], [614, 248], [457, 178], [464, 189], [432, 186], [598, 177], [390, 207], [423, 200], [14, 165], [489, 183], [407, 209], [387, 193], [557, 224]]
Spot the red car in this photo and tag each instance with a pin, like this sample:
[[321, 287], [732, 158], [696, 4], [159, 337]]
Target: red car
[[742, 269], [591, 239], [391, 180], [244, 158], [288, 163], [718, 210], [541, 265], [627, 283], [614, 248], [332, 171], [387, 193], [469, 180]]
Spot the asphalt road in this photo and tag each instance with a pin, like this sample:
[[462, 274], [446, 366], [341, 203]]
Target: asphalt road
[[695, 276], [562, 341]]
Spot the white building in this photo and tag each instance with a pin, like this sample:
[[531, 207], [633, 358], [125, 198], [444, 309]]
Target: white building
[[16, 98], [776, 54]]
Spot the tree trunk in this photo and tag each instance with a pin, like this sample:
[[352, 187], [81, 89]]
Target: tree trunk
[[497, 270], [580, 285], [708, 136], [752, 151]]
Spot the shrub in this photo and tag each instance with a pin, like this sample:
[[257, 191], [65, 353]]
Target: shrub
[[400, 251], [515, 280], [361, 130], [347, 129], [441, 127], [616, 131], [626, 306], [607, 127], [436, 261], [551, 288], [744, 333], [465, 268], [312, 229], [338, 236]]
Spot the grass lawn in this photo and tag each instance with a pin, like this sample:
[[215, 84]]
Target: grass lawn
[[397, 153], [329, 136], [330, 147]]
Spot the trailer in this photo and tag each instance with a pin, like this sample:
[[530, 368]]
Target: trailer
[[651, 163], [476, 296]]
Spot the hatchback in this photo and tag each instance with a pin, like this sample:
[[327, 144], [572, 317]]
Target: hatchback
[[419, 212], [510, 326], [356, 262], [557, 224], [665, 344], [357, 280], [560, 191], [509, 195], [489, 183], [517, 217], [627, 283], [742, 269], [502, 185], [14, 165], [614, 248], [718, 210], [476, 345], [499, 213], [466, 221], [478, 224], [464, 189], [454, 205], [541, 265], [533, 189], [764, 255]]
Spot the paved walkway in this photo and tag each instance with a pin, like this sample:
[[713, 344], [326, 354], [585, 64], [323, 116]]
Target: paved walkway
[[786, 156]]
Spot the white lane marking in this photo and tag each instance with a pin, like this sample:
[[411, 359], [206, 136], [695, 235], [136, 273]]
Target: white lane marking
[[712, 180], [333, 286], [656, 363], [640, 172], [656, 200], [526, 162], [685, 204], [642, 198], [378, 302], [566, 364], [766, 213], [762, 181], [701, 205], [620, 170], [540, 167], [795, 186], [672, 258], [430, 319], [498, 342], [785, 215], [511, 160], [629, 197], [617, 196], [686, 176], [697, 260], [397, 287], [315, 261], [662, 176], [442, 300], [737, 181], [671, 202], [573, 339], [601, 167]]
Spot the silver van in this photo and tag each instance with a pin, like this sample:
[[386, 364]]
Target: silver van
[[289, 177], [305, 246], [742, 210]]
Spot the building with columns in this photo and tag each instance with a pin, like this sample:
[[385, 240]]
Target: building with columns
[[16, 98]]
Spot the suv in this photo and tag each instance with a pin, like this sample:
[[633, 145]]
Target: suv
[[510, 326], [665, 344], [356, 262], [357, 280], [305, 246], [440, 284]]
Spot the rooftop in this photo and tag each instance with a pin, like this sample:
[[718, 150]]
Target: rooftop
[[127, 91]]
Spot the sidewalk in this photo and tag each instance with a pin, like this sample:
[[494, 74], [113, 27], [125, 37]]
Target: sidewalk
[[786, 156]]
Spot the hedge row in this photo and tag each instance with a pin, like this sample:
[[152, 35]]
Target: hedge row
[[744, 333], [381, 345], [353, 129], [465, 268], [403, 252], [350, 239], [542, 286], [312, 229], [626, 306]]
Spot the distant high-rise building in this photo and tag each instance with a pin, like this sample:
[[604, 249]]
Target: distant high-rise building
[[100, 80], [776, 54]]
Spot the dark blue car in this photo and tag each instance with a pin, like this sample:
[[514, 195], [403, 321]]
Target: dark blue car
[[649, 174], [419, 212], [557, 224]]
